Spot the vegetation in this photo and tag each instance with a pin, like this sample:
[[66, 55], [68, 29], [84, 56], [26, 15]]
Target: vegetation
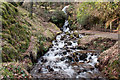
[[29, 28], [15, 36], [23, 39], [12, 71], [97, 15]]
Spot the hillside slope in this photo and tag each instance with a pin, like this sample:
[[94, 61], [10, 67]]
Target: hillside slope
[[24, 38]]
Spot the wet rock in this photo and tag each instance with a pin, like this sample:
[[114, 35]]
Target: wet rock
[[69, 43], [90, 57], [88, 67], [76, 59], [89, 75], [84, 70], [97, 65], [55, 41], [79, 41], [76, 34], [71, 36], [65, 53], [80, 63], [72, 48], [83, 56], [68, 50], [39, 70], [62, 37], [69, 57], [52, 49], [63, 58], [81, 47], [67, 33], [51, 69], [43, 60], [74, 41], [85, 59], [88, 61], [76, 53]]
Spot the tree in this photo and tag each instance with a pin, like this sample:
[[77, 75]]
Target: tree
[[31, 8]]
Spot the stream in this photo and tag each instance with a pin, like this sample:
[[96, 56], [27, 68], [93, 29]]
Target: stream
[[66, 60]]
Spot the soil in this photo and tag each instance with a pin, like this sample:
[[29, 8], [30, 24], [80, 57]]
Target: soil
[[109, 62]]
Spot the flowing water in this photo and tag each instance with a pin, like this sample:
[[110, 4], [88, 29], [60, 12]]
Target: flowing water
[[65, 60]]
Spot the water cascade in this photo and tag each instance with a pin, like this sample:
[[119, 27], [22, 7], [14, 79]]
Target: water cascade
[[65, 60]]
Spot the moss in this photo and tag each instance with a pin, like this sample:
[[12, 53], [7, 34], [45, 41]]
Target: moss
[[14, 4], [9, 53], [79, 41], [58, 18], [14, 33], [20, 33], [8, 14], [49, 35], [5, 23]]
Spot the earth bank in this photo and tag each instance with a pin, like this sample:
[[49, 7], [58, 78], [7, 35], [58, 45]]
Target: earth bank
[[23, 39]]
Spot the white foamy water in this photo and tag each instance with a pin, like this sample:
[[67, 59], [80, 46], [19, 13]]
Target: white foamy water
[[60, 58]]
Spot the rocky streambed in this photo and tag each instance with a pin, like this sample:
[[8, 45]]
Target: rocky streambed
[[66, 60]]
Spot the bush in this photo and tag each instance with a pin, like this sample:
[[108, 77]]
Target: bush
[[92, 13]]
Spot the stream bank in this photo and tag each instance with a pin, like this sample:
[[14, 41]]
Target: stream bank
[[29, 39], [23, 40]]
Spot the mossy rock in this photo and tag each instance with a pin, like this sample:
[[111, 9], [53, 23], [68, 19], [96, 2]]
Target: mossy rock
[[49, 35], [76, 34], [79, 41], [58, 18]]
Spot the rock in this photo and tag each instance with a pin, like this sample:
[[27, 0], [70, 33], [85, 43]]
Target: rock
[[67, 33], [58, 18], [39, 70], [88, 61], [43, 60], [97, 65], [81, 47], [76, 34], [71, 36], [82, 56], [79, 41], [69, 58], [52, 49], [69, 43], [62, 59], [76, 59], [65, 53], [68, 50], [88, 67]]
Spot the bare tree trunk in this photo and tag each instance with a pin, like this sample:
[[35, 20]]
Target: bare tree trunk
[[31, 8]]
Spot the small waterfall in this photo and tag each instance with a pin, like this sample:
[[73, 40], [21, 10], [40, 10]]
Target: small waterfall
[[65, 26], [65, 60]]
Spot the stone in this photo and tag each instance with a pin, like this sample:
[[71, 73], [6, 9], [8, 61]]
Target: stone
[[65, 53], [76, 34], [82, 56], [62, 59], [69, 43], [81, 47], [68, 50], [88, 67], [97, 65]]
